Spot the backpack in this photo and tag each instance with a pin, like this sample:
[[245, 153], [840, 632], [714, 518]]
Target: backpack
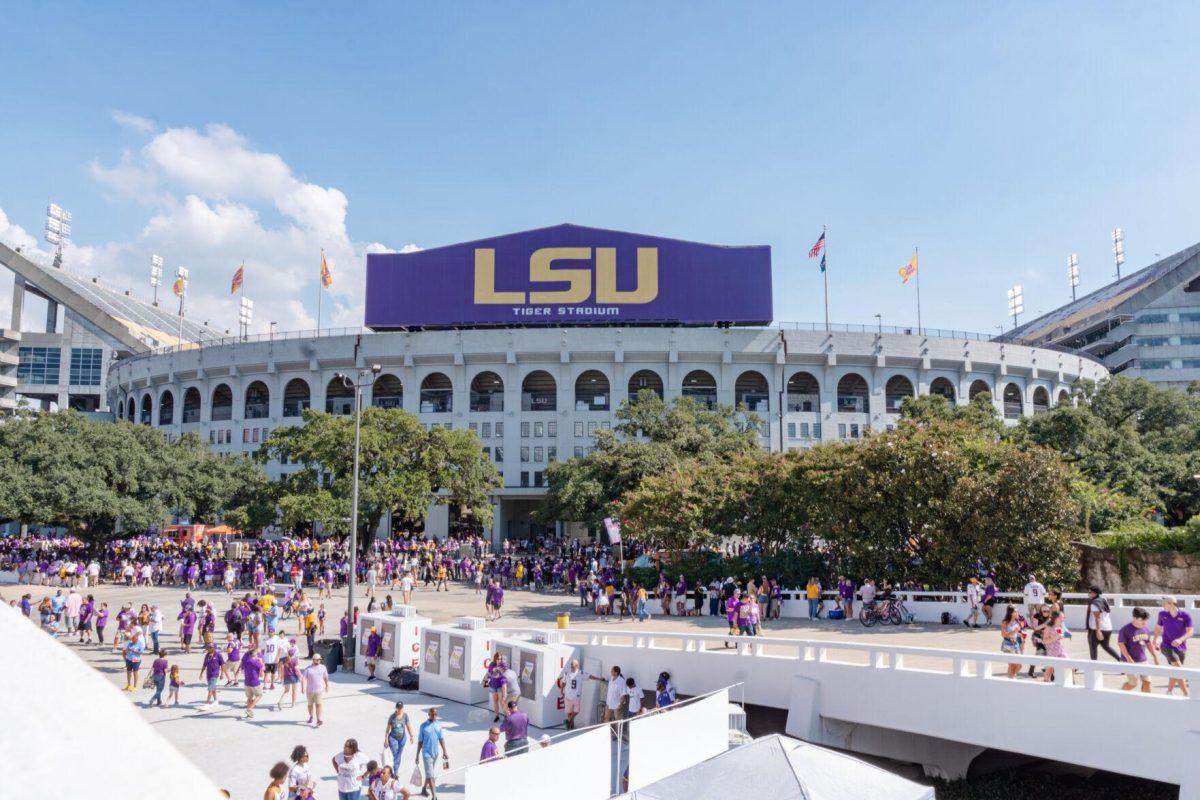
[[404, 678]]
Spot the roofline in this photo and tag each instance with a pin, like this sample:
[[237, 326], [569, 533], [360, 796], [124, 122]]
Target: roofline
[[570, 225], [45, 281]]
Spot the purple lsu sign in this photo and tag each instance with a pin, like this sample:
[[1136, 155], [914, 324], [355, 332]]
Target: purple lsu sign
[[569, 274]]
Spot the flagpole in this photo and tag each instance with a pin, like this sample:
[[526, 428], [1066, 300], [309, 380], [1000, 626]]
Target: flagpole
[[320, 291], [916, 256], [825, 275], [242, 296]]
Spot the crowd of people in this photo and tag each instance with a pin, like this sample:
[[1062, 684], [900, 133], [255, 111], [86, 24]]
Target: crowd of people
[[275, 593]]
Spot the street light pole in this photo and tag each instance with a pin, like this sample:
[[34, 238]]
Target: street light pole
[[349, 642]]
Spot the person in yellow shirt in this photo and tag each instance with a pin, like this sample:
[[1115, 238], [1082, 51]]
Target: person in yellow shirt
[[641, 603], [441, 579], [813, 593], [266, 603]]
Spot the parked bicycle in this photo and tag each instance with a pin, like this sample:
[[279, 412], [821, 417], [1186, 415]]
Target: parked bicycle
[[888, 611]]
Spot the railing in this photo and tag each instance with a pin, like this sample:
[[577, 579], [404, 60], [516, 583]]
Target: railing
[[956, 663]]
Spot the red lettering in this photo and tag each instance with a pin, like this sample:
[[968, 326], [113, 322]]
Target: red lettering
[[416, 647], [560, 704]]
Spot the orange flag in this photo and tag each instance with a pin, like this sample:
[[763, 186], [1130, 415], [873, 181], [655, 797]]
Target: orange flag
[[909, 269], [238, 278], [326, 275]]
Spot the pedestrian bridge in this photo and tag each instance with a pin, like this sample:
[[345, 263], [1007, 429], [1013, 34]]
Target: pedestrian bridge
[[940, 708]]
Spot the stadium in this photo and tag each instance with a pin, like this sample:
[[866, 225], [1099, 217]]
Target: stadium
[[533, 340]]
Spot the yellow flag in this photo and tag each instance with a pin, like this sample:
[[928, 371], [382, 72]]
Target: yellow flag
[[177, 288], [909, 269]]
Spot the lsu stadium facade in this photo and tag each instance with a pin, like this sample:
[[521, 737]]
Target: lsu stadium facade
[[533, 340]]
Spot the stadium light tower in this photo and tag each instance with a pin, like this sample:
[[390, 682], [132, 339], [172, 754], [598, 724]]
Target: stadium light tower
[[156, 265], [1073, 272], [245, 316], [1118, 237], [1016, 303], [58, 230]]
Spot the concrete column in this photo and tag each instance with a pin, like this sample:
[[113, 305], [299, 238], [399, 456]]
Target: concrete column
[[18, 302]]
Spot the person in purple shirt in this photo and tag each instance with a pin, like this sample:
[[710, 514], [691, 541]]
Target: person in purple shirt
[[158, 672], [846, 591], [516, 729], [496, 683], [210, 670], [252, 670], [187, 626], [101, 621], [490, 751], [1134, 641], [87, 612], [344, 627], [374, 645], [1173, 630]]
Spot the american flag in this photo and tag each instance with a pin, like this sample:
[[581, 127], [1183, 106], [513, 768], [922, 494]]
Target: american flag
[[816, 249]]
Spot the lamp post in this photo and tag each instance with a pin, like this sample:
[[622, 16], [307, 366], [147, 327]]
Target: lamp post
[[156, 265], [58, 230], [348, 642], [1118, 237], [1016, 303], [1073, 273]]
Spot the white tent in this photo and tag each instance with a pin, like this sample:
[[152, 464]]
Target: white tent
[[784, 769], [62, 721]]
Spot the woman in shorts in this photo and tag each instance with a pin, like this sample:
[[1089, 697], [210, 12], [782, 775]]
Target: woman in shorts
[[497, 684], [1010, 637]]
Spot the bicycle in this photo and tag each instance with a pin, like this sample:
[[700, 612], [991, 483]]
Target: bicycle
[[887, 611]]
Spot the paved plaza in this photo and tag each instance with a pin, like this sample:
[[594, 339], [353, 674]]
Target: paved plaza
[[237, 752]]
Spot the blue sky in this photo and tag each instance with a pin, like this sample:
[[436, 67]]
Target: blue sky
[[997, 137]]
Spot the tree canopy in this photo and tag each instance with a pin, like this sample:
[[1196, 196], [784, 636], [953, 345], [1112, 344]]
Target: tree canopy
[[403, 468], [651, 437], [97, 479]]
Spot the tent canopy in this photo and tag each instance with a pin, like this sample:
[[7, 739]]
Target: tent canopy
[[785, 769]]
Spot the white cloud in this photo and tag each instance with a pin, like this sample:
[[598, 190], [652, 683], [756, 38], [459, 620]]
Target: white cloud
[[410, 248], [133, 122], [217, 202]]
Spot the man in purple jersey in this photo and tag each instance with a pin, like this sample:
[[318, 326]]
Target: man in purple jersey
[[1172, 632], [374, 644], [1135, 641], [252, 670]]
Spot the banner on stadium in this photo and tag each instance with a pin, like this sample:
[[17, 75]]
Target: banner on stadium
[[569, 274]]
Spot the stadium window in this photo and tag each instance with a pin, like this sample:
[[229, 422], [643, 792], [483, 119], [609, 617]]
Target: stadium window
[[1189, 339], [552, 453], [1191, 363], [245, 436], [891, 428], [486, 431], [578, 451], [212, 437], [539, 430], [499, 454], [539, 455], [487, 453], [524, 480], [1189, 316], [591, 428], [841, 430], [499, 430], [86, 363], [524, 430], [1154, 363], [448, 426], [525, 454], [853, 430], [39, 365], [1153, 341], [473, 427], [791, 430], [254, 438], [539, 479], [816, 430], [605, 425], [1152, 319], [803, 430], [578, 428], [552, 429]]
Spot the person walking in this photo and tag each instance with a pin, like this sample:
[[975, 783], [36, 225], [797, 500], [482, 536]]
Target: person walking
[[1171, 634], [316, 684], [1035, 595], [974, 601], [1135, 641], [1052, 638], [158, 673], [210, 670], [1099, 625], [1010, 637], [430, 739], [133, 650], [396, 735], [252, 671]]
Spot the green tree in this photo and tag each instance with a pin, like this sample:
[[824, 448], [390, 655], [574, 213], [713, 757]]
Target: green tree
[[402, 468], [650, 437]]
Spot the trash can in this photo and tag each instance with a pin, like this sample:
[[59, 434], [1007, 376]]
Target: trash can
[[330, 651], [564, 620]]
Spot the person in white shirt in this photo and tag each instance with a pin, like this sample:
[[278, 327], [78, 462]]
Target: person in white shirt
[[299, 776], [271, 650], [93, 572], [227, 580], [634, 694], [868, 591], [406, 588], [1035, 595], [974, 599], [351, 767], [570, 683], [1099, 625], [616, 693], [155, 627]]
